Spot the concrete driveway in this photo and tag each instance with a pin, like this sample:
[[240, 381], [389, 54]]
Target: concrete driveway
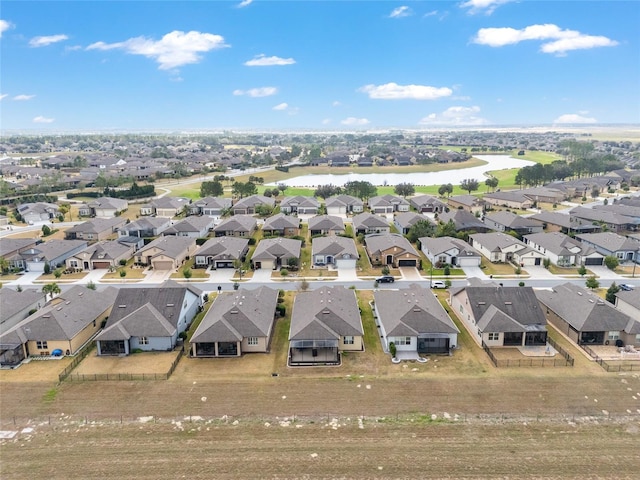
[[347, 274], [603, 272], [475, 272], [410, 273], [538, 271], [261, 275]]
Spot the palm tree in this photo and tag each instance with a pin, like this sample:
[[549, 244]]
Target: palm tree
[[51, 289]]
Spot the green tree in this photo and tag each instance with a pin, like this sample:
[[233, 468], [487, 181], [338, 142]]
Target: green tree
[[46, 231], [187, 273], [326, 191], [469, 184], [592, 282], [491, 183], [360, 189], [611, 261], [446, 229], [446, 189], [582, 270], [611, 293], [422, 228], [47, 268], [213, 189], [91, 285], [404, 189], [4, 265], [51, 289], [57, 272]]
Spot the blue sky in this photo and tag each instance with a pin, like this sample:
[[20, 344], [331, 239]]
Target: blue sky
[[158, 65]]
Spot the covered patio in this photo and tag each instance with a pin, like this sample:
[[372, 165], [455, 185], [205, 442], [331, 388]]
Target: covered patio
[[313, 352]]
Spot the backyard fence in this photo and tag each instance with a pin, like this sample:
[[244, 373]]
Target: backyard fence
[[105, 377], [566, 361], [619, 366], [82, 353]]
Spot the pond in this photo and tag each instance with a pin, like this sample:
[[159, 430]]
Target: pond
[[494, 162]]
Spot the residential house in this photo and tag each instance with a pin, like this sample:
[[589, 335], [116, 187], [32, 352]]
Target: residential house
[[343, 205], [238, 322], [500, 316], [166, 207], [15, 306], [281, 225], [562, 250], [625, 249], [210, 206], [95, 230], [104, 254], [388, 204], [166, 253], [629, 302], [428, 204], [10, 249], [249, 205], [502, 248], [415, 321], [38, 212], [324, 323], [145, 227], [149, 319], [54, 253], [464, 221], [404, 221], [326, 225], [221, 252], [391, 249], [366, 223], [274, 253], [65, 324], [562, 222], [449, 251], [340, 252], [103, 207], [469, 203], [195, 227], [586, 318], [504, 221], [236, 226], [300, 205], [509, 199], [613, 221]]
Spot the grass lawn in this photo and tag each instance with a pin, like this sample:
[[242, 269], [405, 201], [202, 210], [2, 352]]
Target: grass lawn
[[195, 272], [499, 268], [567, 271], [131, 273]]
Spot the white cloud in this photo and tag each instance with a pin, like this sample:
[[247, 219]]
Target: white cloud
[[355, 121], [431, 13], [22, 98], [48, 40], [73, 48], [281, 106], [457, 116], [174, 50], [400, 12], [393, 91], [483, 6], [4, 95], [41, 119], [326, 121], [336, 103], [264, 61], [575, 118], [555, 40], [257, 92], [4, 26], [244, 3]]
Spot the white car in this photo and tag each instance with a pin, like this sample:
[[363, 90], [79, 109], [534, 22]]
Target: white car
[[438, 284]]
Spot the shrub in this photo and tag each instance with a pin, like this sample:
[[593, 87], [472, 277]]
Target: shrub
[[47, 269], [611, 261], [546, 263], [521, 284], [284, 272], [385, 270], [392, 349], [518, 270], [447, 270], [187, 273], [183, 335], [281, 309], [123, 262], [582, 271]]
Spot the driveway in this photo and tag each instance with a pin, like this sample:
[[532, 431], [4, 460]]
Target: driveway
[[410, 273], [538, 271], [261, 275], [157, 276], [603, 272], [475, 272], [347, 274], [221, 275]]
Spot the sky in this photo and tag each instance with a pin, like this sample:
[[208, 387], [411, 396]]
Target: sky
[[320, 65]]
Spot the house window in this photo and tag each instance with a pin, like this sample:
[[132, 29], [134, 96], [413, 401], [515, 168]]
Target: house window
[[252, 341], [403, 341], [348, 340], [42, 345], [73, 263], [144, 341], [494, 336], [614, 336]]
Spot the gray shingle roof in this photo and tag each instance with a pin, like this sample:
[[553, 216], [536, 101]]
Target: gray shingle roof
[[583, 310], [280, 221], [334, 245], [412, 312], [233, 247], [237, 315], [172, 247], [326, 222], [325, 313], [369, 220], [379, 242], [518, 303], [272, 248], [237, 223]]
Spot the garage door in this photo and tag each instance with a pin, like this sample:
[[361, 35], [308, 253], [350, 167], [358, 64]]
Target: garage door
[[224, 264], [468, 262], [593, 261], [163, 265], [407, 263], [101, 264], [265, 264], [346, 263]]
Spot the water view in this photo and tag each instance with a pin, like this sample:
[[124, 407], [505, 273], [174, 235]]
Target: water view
[[494, 162]]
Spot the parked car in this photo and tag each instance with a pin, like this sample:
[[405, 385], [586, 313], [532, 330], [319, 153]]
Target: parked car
[[626, 287], [385, 279], [438, 284]]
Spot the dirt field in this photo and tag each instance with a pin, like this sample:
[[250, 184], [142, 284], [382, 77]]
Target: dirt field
[[153, 362]]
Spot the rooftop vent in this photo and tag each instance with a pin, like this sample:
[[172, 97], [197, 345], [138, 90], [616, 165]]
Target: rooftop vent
[[507, 303], [170, 305], [122, 306]]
